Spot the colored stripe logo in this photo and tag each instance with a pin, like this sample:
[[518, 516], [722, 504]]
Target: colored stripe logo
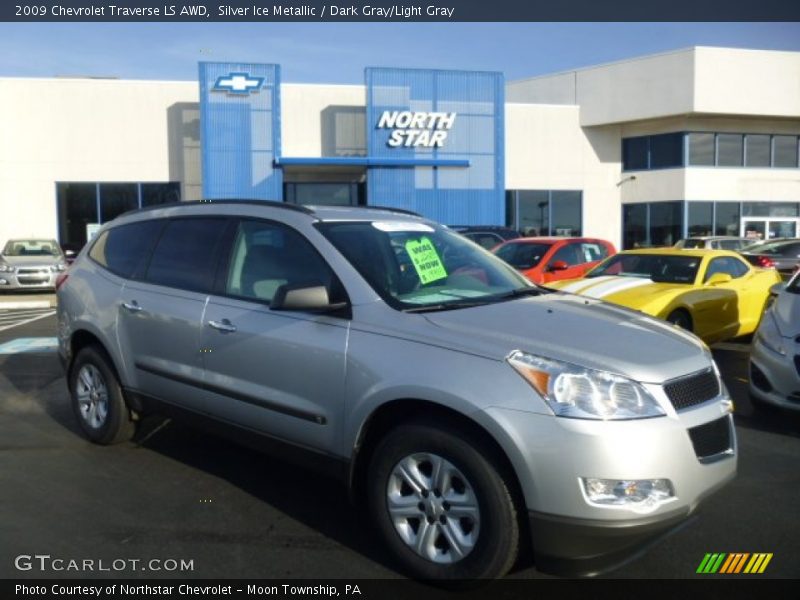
[[734, 563]]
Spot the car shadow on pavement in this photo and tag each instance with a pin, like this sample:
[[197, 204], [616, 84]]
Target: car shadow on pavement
[[318, 501]]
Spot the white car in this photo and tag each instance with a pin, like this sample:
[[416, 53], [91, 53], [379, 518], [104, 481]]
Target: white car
[[775, 359]]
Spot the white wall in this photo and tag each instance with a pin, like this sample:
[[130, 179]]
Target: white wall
[[302, 109], [723, 81], [546, 149], [79, 130]]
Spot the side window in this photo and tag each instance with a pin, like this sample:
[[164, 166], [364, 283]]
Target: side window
[[122, 250], [185, 256], [267, 255], [592, 251], [487, 240], [569, 254], [732, 266]]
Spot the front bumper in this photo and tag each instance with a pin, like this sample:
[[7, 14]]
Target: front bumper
[[28, 279], [774, 378], [550, 455], [584, 548]]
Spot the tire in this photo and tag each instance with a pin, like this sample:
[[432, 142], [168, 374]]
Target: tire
[[97, 399], [680, 318], [481, 543]]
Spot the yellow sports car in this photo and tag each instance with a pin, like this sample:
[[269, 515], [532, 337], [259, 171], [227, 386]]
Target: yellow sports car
[[713, 293]]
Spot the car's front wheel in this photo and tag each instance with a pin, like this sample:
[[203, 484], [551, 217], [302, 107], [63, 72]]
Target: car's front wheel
[[441, 504], [97, 398], [680, 318]]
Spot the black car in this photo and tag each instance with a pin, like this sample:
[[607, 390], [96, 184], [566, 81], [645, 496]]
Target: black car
[[487, 236], [780, 253]]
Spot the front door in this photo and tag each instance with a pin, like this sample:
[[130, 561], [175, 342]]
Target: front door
[[275, 372]]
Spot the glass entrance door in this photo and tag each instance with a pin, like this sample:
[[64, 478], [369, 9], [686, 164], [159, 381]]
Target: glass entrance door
[[768, 229]]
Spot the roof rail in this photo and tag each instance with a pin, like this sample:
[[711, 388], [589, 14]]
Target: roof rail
[[270, 203], [402, 211]]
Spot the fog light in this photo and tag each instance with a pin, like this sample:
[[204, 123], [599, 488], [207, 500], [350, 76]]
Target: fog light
[[3, 282], [641, 495]]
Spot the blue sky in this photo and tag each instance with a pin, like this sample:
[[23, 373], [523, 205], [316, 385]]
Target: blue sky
[[338, 52]]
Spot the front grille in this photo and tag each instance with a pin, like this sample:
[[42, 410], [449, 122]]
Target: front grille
[[712, 438], [692, 390], [33, 271], [758, 378]]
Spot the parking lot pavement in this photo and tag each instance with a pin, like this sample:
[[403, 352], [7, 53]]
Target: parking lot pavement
[[178, 493]]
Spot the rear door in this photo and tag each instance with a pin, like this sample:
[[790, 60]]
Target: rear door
[[161, 312], [280, 373]]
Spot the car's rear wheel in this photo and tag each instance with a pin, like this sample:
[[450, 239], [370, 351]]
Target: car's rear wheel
[[442, 505], [680, 318], [97, 398]]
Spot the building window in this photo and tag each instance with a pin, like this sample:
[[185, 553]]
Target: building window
[[82, 204], [324, 194], [770, 209], [730, 149], [701, 149], [652, 224], [634, 225], [700, 218], [546, 212], [785, 150], [726, 218], [652, 152], [757, 150]]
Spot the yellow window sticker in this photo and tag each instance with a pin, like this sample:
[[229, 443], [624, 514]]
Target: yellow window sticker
[[426, 260]]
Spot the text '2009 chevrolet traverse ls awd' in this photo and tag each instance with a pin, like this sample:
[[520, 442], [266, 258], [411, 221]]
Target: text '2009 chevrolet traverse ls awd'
[[471, 411]]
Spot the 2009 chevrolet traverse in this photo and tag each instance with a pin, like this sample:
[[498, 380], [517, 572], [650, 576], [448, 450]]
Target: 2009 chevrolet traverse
[[469, 409]]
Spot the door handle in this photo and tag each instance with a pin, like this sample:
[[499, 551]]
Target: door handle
[[132, 306], [224, 326]]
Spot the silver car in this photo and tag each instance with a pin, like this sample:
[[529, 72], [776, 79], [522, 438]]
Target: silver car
[[470, 412], [775, 357], [31, 265]]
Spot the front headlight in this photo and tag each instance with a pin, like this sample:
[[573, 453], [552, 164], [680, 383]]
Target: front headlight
[[579, 393], [769, 334], [58, 268], [6, 268]]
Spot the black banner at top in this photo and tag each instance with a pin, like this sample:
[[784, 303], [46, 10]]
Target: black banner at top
[[397, 11]]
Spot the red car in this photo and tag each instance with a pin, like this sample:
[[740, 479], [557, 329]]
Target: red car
[[544, 259]]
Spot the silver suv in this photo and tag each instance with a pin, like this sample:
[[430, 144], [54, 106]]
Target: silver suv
[[471, 411]]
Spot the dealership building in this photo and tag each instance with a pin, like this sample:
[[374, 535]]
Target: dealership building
[[641, 152]]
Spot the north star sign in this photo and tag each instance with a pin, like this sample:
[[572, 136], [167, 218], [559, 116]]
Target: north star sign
[[238, 83], [415, 129]]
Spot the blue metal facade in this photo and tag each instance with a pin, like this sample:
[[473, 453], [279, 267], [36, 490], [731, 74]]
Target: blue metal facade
[[240, 130], [450, 194]]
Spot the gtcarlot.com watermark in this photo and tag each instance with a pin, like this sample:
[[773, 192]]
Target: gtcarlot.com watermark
[[45, 563]]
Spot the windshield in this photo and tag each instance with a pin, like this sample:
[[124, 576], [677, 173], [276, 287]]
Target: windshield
[[414, 265], [522, 255], [32, 248], [658, 267]]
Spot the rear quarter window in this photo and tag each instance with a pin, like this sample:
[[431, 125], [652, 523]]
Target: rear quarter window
[[123, 250]]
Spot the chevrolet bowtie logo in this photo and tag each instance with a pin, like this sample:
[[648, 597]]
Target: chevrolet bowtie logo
[[238, 83]]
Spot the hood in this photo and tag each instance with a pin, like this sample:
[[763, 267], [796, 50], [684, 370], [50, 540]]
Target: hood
[[577, 330], [786, 311], [25, 261]]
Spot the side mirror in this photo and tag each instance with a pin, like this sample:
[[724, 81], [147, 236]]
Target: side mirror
[[558, 265], [777, 288], [719, 278], [304, 297]]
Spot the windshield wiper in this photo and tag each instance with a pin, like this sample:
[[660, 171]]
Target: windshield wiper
[[524, 291], [444, 306]]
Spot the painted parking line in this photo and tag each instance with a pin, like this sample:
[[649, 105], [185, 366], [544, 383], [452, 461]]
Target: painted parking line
[[27, 319], [24, 304], [31, 344]]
